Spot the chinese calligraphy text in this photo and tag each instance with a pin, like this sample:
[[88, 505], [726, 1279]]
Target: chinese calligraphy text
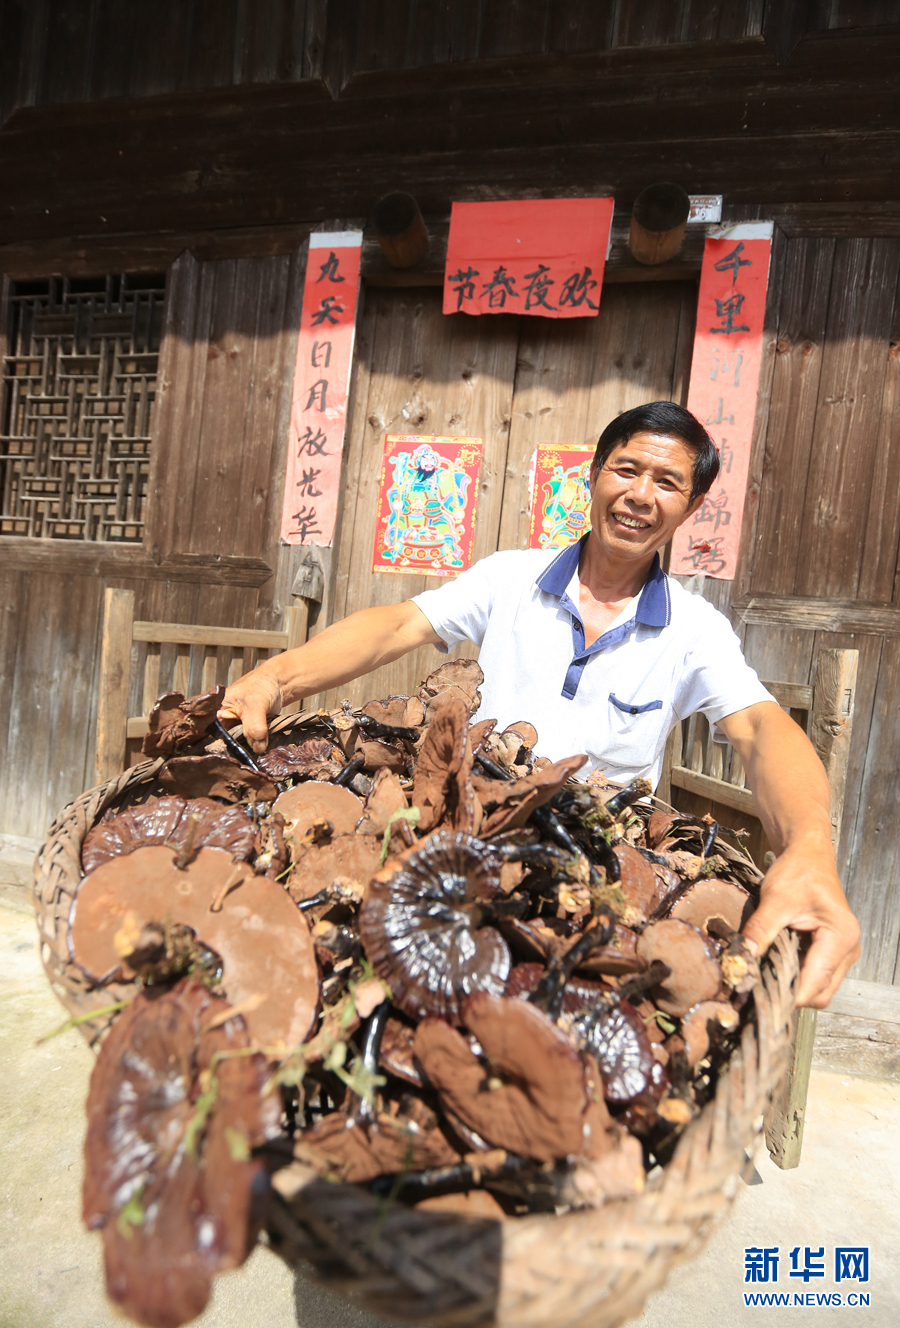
[[536, 256], [724, 378], [321, 383]]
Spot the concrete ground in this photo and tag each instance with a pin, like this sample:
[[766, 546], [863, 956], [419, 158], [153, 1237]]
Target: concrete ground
[[845, 1192]]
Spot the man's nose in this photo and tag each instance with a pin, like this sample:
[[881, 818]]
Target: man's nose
[[641, 488]]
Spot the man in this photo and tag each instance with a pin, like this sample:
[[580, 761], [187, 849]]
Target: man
[[599, 649]]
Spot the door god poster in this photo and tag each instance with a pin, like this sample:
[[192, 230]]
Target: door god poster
[[426, 505], [727, 354], [560, 496]]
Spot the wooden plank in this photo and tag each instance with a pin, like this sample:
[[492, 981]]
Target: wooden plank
[[429, 374], [113, 680], [788, 437], [869, 648], [831, 723], [881, 554], [793, 695], [864, 1047], [872, 878], [104, 561], [573, 378], [866, 1000], [841, 477], [191, 634], [787, 1114], [813, 614], [741, 799]]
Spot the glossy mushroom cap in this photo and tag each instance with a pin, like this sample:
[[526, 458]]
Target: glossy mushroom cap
[[214, 777], [171, 1182], [200, 823], [420, 925]]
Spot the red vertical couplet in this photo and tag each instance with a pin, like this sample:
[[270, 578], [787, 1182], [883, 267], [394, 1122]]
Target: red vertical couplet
[[724, 382], [321, 385], [542, 256]]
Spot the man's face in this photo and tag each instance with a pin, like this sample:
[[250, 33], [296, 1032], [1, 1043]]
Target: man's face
[[641, 494]]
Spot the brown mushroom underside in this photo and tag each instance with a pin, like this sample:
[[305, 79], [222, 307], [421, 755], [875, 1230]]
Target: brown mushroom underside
[[707, 900], [215, 777], [695, 974], [200, 823], [514, 801], [541, 1105], [316, 802], [263, 940]]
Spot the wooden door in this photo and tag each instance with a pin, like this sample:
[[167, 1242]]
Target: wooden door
[[512, 381]]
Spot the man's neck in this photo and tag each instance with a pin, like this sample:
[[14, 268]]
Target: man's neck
[[608, 579]]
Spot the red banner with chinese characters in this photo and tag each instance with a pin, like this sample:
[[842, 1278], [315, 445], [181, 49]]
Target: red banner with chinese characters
[[560, 494], [532, 256], [321, 384], [426, 505], [724, 382]]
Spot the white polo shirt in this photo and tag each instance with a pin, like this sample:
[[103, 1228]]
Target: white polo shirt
[[668, 655]]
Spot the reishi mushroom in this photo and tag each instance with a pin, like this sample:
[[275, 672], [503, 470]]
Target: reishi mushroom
[[694, 973], [420, 925], [263, 940], [314, 801], [215, 777], [169, 1176], [186, 826]]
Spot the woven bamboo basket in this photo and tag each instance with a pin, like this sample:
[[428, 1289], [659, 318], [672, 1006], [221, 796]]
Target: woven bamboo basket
[[587, 1269]]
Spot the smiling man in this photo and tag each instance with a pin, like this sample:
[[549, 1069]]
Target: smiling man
[[604, 653]]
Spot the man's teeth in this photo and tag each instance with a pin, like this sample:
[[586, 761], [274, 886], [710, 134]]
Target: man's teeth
[[633, 522]]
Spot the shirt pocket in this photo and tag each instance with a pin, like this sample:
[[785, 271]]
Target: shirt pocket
[[634, 731]]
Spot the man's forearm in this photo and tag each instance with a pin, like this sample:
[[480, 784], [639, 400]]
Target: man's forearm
[[348, 649], [802, 889], [788, 780]]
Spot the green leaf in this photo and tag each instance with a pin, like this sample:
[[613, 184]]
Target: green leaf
[[238, 1144], [197, 1124], [411, 815], [132, 1215]]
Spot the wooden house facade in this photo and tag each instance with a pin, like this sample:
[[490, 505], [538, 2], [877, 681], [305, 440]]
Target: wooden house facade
[[162, 166]]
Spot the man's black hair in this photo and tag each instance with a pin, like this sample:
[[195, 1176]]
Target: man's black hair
[[664, 417]]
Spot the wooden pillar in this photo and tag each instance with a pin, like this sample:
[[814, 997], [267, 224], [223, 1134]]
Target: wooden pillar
[[658, 219], [112, 687], [831, 720]]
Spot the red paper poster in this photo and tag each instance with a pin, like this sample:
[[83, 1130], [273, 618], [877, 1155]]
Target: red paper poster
[[560, 497], [321, 384], [535, 256], [724, 381], [426, 505]]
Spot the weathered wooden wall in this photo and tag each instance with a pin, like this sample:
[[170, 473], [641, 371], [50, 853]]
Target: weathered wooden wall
[[212, 547], [821, 548]]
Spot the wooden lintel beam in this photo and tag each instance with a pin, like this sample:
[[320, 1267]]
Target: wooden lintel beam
[[819, 615], [128, 562]]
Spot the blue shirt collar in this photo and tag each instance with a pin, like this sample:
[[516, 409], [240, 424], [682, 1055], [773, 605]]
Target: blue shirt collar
[[654, 606]]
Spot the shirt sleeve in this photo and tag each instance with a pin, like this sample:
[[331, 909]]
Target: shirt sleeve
[[717, 680], [459, 610]]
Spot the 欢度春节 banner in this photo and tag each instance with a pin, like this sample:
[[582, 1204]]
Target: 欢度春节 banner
[[724, 380], [321, 385], [528, 256]]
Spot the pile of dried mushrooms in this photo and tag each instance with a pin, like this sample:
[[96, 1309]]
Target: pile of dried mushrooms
[[401, 952]]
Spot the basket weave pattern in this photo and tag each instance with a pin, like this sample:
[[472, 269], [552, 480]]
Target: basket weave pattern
[[591, 1268]]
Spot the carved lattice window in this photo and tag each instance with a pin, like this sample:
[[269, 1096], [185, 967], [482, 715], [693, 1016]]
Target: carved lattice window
[[79, 379]]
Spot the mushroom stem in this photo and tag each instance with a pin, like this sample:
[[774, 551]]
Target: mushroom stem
[[234, 879], [415, 1185], [548, 994], [363, 1111], [709, 838], [351, 769], [633, 792], [235, 747], [376, 729], [657, 972]]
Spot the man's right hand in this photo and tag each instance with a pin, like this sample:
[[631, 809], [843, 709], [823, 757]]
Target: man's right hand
[[252, 701]]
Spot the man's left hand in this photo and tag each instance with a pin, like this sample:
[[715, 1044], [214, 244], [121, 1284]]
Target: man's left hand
[[801, 890]]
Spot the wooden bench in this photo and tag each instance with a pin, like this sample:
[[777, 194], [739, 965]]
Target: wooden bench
[[713, 770], [140, 660]]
